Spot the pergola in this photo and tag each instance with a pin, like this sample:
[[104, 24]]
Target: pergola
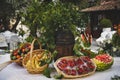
[[107, 8]]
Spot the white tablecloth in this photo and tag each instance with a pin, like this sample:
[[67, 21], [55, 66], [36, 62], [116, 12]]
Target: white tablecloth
[[16, 72], [3, 42]]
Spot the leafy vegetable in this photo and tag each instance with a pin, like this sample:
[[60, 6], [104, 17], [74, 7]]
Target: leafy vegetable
[[116, 77], [47, 72], [58, 76]]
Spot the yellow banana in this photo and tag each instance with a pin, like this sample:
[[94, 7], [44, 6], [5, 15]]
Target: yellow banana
[[28, 65], [33, 62], [43, 67], [37, 62], [44, 57], [40, 55]]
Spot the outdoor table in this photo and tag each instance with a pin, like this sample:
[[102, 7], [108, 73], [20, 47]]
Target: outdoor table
[[12, 39], [3, 42], [16, 72]]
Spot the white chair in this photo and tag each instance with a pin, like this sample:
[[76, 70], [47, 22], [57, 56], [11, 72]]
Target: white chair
[[3, 42], [14, 40]]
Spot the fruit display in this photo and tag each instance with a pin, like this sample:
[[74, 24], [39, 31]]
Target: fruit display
[[74, 67], [18, 54], [88, 52], [103, 62], [37, 62], [86, 39]]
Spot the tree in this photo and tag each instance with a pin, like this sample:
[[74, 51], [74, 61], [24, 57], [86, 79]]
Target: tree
[[11, 9], [10, 13], [5, 13]]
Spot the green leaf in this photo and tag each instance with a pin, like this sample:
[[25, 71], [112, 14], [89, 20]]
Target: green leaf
[[58, 76], [54, 54], [47, 72], [78, 53]]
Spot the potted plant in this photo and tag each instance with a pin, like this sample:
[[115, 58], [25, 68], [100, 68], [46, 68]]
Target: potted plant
[[106, 24], [53, 18], [61, 20]]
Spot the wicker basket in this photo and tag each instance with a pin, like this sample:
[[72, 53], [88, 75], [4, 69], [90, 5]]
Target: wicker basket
[[72, 76], [19, 60], [28, 57]]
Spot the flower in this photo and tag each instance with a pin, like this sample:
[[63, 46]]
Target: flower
[[108, 47], [117, 27], [114, 49]]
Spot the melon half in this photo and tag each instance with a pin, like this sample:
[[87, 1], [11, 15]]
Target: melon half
[[103, 62]]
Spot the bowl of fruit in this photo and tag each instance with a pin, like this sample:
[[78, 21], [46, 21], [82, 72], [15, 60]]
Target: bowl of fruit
[[18, 54], [74, 67]]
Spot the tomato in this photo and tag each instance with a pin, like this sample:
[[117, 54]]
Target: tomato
[[29, 46], [23, 50], [18, 56], [15, 53]]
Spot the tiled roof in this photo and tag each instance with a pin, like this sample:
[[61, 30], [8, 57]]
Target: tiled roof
[[109, 5]]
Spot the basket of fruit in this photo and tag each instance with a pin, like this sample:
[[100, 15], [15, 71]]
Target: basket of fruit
[[75, 67], [18, 54], [36, 61]]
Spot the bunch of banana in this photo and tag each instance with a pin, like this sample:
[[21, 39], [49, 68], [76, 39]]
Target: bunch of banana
[[38, 61]]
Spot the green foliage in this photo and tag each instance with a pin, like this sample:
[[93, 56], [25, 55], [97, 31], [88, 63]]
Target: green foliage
[[105, 23], [60, 15], [17, 4], [31, 15], [116, 40], [97, 2], [29, 39], [58, 76], [47, 72], [21, 32], [115, 77], [80, 49], [112, 46], [108, 48], [47, 18]]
